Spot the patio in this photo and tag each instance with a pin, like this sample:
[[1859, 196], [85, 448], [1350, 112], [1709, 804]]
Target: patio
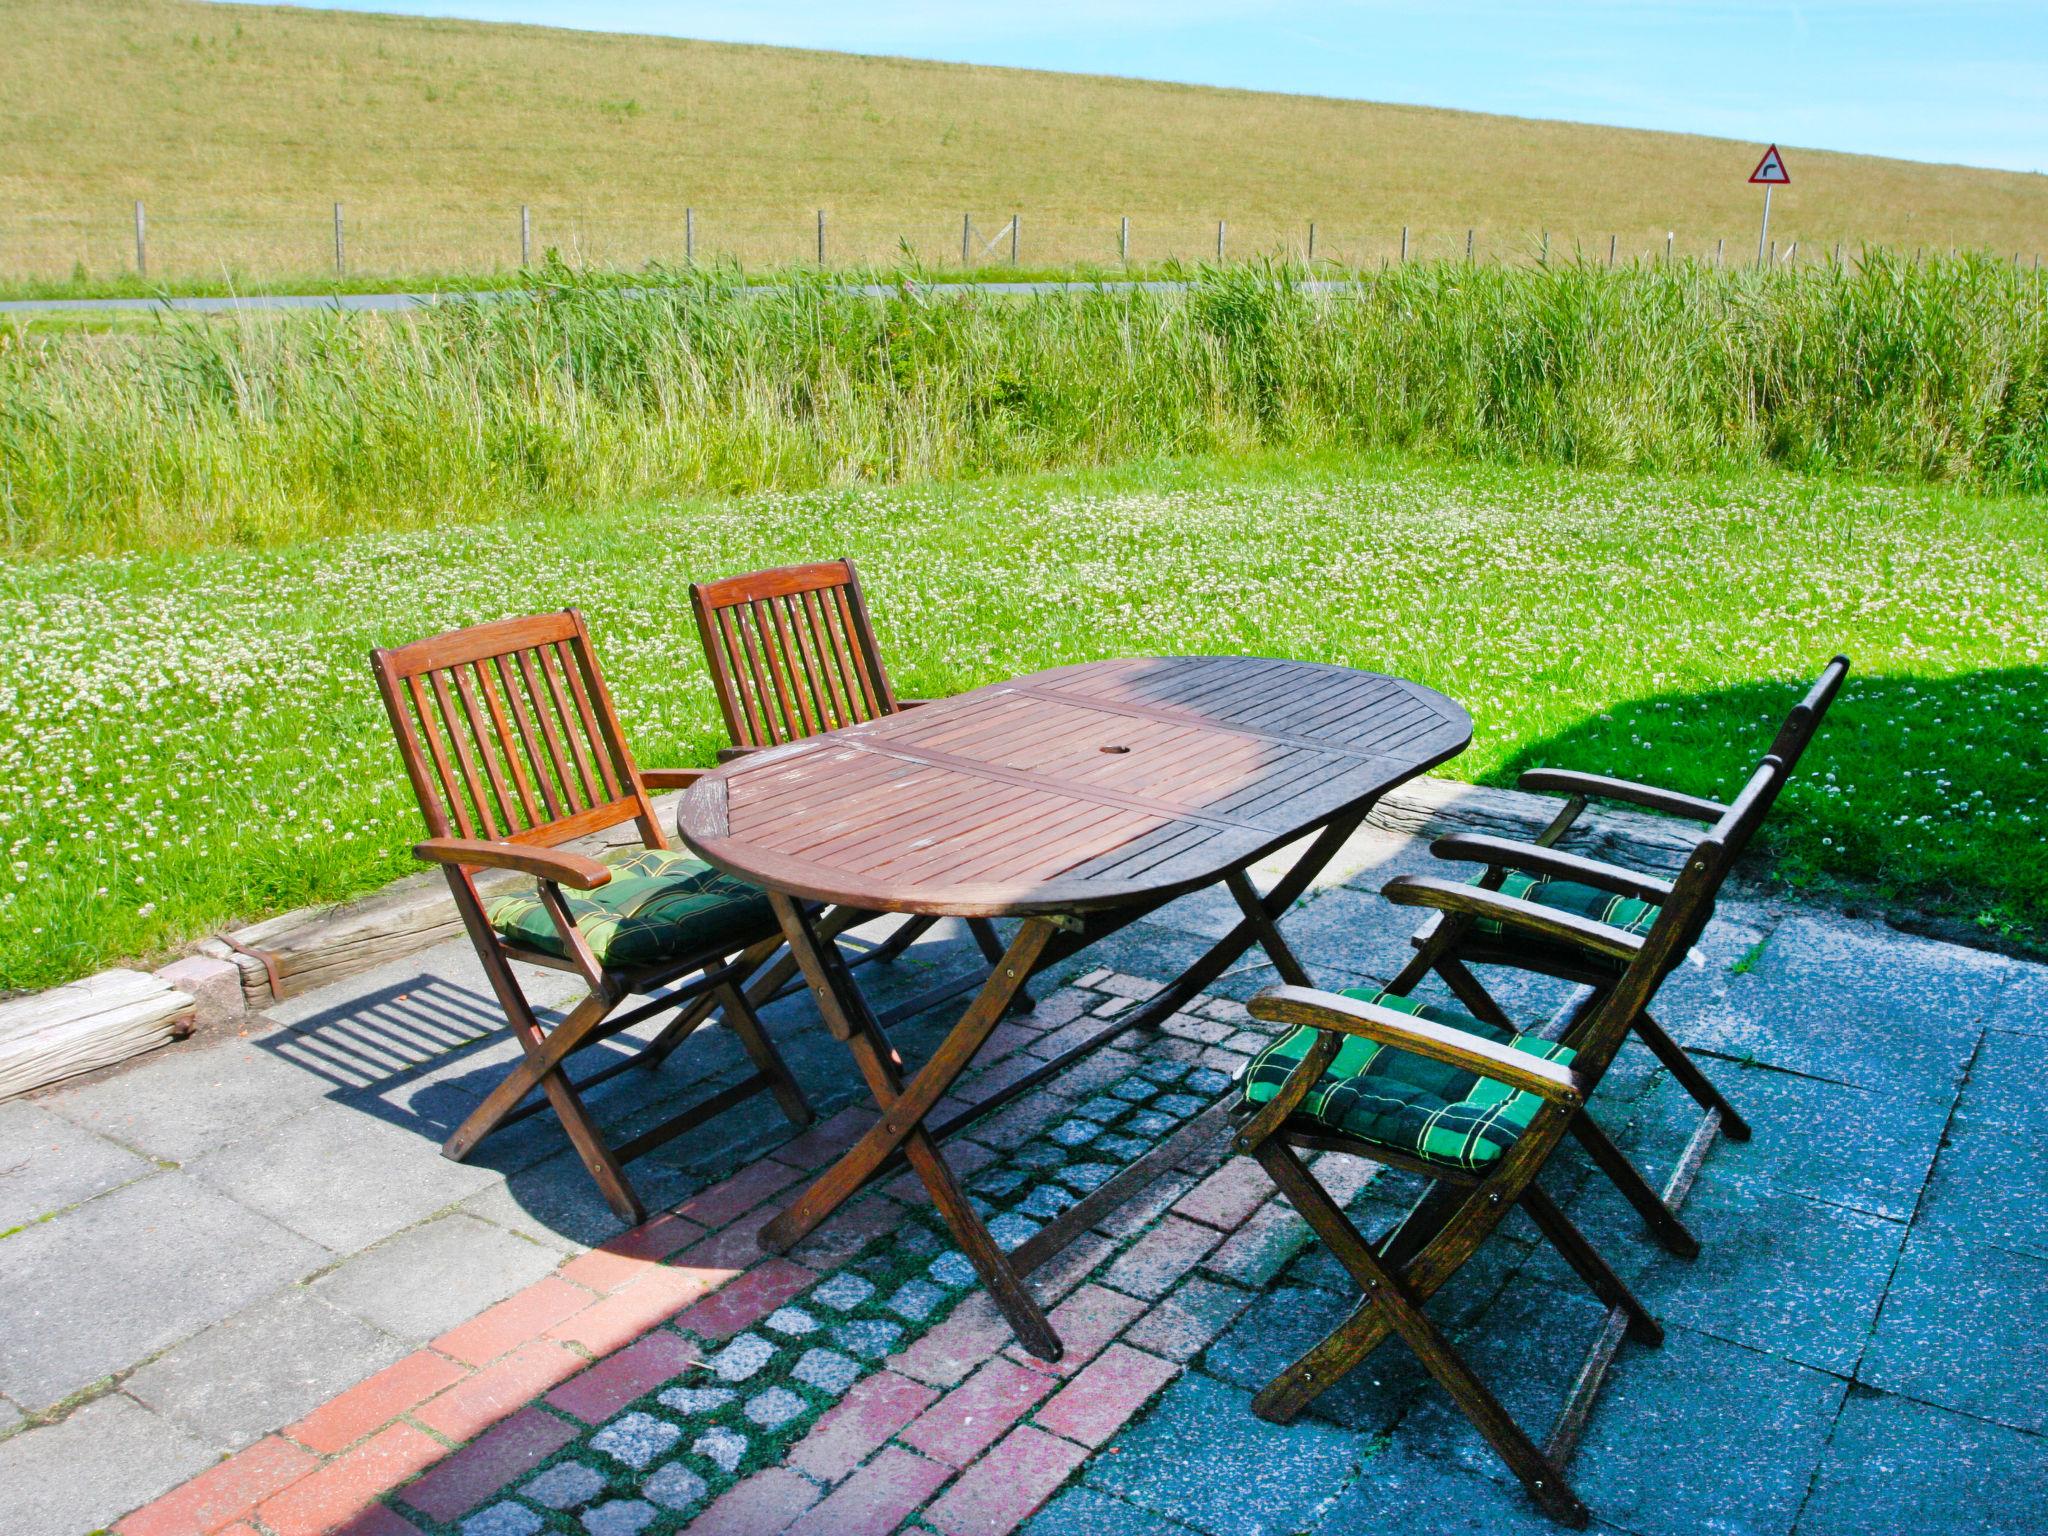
[[248, 1248]]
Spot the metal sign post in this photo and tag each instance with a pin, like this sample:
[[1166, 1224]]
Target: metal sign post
[[1770, 172]]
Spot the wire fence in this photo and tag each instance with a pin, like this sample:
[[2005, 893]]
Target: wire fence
[[168, 244]]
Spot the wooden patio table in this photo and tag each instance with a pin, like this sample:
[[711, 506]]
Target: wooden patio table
[[1076, 800]]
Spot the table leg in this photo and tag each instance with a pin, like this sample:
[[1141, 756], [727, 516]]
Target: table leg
[[848, 1016]]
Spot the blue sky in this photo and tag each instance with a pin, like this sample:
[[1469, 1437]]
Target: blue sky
[[1965, 81]]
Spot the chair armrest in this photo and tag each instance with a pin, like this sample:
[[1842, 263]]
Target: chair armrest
[[1529, 858], [734, 754], [562, 867], [671, 778], [1596, 787], [1545, 922], [1548, 1080], [903, 704]]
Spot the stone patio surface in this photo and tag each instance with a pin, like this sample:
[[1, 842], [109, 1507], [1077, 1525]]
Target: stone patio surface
[[242, 1292]]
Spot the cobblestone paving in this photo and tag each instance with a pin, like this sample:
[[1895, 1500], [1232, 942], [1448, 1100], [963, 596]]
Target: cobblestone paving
[[1856, 1349]]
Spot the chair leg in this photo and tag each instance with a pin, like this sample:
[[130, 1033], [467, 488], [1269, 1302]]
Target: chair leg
[[907, 933], [767, 1060], [1583, 1257], [1663, 1223], [992, 948], [1393, 1309], [1690, 1077]]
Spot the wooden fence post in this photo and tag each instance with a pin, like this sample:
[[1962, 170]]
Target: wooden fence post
[[340, 259], [1544, 259], [1468, 247], [689, 237], [1718, 245], [1312, 241], [141, 242], [821, 237], [966, 235], [1669, 236], [1123, 240], [1219, 239], [1404, 243], [1613, 243], [525, 236], [1016, 225]]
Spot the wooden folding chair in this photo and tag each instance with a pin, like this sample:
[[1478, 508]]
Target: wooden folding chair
[[513, 747], [1478, 1110], [1616, 898], [792, 653]]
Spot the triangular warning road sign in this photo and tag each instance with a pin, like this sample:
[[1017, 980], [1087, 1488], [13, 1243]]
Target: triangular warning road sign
[[1770, 170]]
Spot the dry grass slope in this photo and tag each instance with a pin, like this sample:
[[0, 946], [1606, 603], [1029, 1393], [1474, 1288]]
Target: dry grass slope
[[239, 125]]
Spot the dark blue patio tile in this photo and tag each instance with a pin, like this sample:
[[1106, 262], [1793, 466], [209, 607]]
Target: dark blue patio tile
[[1777, 1272], [1200, 1457], [1402, 1493], [1867, 1150], [1895, 1465], [1962, 1328], [1084, 1512], [2022, 1007], [1854, 1004], [1990, 1178], [1284, 1324], [1704, 1436]]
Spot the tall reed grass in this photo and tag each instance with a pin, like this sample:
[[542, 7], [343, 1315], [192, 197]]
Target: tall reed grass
[[263, 429]]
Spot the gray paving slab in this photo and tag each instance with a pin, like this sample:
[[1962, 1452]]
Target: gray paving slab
[[1868, 1150], [555, 1203], [1702, 1435], [1200, 1457], [421, 1282], [1403, 1491], [121, 1277], [1281, 1325], [1989, 1181], [83, 1474], [1855, 1003], [1895, 1465], [1778, 1272], [338, 1176], [264, 1367], [180, 1103], [1961, 1328], [47, 1163], [2022, 1007], [1087, 1512]]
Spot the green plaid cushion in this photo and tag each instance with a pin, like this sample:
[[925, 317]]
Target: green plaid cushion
[[660, 905], [1628, 913], [1408, 1103]]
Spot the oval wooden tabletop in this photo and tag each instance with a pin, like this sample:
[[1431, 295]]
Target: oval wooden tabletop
[[1080, 788]]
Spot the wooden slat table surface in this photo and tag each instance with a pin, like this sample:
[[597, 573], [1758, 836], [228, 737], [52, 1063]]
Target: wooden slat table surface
[[1073, 790]]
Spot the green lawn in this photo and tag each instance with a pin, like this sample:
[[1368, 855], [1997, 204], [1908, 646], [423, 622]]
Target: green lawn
[[199, 741]]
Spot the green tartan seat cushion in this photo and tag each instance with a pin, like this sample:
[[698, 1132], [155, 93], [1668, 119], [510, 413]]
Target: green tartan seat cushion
[[1408, 1103], [1630, 914], [660, 905]]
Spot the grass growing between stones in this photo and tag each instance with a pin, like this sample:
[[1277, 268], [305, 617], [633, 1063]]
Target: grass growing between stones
[[194, 739]]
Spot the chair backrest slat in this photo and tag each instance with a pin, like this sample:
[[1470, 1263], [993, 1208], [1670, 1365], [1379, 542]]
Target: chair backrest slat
[[791, 652], [508, 732]]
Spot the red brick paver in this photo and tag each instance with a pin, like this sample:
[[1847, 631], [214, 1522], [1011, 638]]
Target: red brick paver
[[1096, 1403], [862, 1420], [477, 1471], [628, 1256], [734, 1197], [223, 1493], [346, 1486], [745, 1301], [877, 1499], [633, 1372], [973, 1416], [1228, 1195], [629, 1312], [1151, 1265], [764, 1505], [470, 1407], [973, 1332], [525, 1315], [341, 1422], [1085, 1322], [1002, 1489]]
